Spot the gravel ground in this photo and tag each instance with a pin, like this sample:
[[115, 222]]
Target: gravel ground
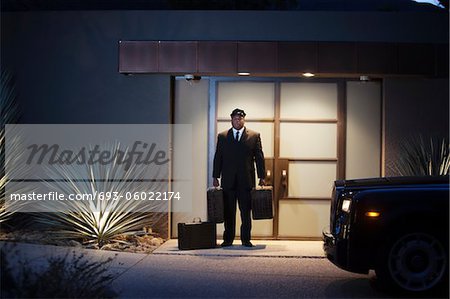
[[140, 242]]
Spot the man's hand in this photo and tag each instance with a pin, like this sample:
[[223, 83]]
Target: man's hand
[[216, 182], [262, 182]]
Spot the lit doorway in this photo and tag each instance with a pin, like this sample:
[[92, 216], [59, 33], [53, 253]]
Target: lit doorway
[[308, 128], [301, 132]]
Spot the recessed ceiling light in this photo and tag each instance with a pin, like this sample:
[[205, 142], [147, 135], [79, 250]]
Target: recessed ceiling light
[[364, 78], [308, 75], [243, 74]]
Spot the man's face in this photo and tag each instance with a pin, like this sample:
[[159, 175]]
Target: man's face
[[237, 122]]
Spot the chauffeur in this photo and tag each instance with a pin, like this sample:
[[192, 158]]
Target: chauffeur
[[237, 151]]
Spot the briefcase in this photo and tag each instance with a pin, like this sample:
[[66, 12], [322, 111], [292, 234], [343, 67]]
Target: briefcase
[[197, 235], [214, 198], [262, 206]]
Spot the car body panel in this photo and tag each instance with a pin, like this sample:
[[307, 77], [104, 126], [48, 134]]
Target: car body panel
[[354, 240]]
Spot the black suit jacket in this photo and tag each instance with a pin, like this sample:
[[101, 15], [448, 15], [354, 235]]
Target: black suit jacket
[[235, 160]]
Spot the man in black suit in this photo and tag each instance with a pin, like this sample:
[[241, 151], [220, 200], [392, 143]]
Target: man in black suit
[[237, 151]]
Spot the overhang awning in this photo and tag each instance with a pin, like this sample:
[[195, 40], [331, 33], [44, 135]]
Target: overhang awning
[[283, 58]]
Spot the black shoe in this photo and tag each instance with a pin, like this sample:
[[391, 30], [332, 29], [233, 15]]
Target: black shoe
[[247, 244], [226, 244]]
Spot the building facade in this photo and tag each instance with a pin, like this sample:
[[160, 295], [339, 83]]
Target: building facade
[[380, 76]]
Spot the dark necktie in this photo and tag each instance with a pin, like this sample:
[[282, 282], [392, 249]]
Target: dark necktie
[[237, 135]]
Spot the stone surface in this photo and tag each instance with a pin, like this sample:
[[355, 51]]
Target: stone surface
[[142, 242]]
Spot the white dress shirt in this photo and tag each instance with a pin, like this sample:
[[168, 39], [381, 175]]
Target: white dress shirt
[[241, 131]]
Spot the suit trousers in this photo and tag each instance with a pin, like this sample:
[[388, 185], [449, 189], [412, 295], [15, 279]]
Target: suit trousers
[[242, 197]]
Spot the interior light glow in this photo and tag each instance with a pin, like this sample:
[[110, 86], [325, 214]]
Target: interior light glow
[[308, 75], [243, 74], [373, 214]]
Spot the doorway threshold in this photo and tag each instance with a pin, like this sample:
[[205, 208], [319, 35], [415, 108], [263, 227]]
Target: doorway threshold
[[262, 248]]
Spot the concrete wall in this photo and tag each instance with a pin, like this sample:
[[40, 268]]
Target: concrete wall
[[65, 66], [66, 62], [191, 107], [413, 106], [363, 139]]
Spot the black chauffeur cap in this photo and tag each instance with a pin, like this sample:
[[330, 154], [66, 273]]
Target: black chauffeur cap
[[239, 112]]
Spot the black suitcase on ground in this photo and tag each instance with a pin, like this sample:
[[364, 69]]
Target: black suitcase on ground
[[262, 207], [197, 235], [214, 198]]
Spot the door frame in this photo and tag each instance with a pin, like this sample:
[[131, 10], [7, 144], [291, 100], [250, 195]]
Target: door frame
[[279, 164]]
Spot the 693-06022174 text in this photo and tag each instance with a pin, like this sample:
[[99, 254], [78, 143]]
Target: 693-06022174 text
[[58, 196]]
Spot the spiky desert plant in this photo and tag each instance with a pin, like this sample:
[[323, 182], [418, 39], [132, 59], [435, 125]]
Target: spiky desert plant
[[421, 157], [100, 221], [9, 114]]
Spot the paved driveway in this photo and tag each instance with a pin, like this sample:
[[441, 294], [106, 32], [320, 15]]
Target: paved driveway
[[270, 270]]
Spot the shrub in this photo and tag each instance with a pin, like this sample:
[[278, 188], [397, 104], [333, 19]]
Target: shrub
[[63, 277], [420, 157], [100, 221]]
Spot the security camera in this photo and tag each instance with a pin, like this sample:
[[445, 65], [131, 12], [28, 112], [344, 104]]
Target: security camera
[[190, 77]]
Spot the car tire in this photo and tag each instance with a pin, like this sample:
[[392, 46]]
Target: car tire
[[414, 262]]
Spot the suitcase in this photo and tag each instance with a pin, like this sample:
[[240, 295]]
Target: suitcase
[[196, 235], [262, 206], [214, 198]]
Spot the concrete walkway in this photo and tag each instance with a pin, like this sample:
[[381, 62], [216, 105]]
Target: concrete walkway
[[262, 248]]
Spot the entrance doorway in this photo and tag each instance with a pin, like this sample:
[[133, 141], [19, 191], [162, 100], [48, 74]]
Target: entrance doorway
[[301, 130], [313, 132]]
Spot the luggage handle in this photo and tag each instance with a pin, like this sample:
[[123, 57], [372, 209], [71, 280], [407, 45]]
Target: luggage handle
[[263, 188]]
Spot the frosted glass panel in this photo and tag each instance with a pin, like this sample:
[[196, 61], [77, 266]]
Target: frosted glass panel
[[189, 99], [311, 179], [264, 128], [304, 218], [262, 228], [256, 99], [308, 101], [363, 130], [308, 140]]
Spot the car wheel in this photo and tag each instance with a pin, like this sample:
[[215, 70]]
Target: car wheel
[[415, 262]]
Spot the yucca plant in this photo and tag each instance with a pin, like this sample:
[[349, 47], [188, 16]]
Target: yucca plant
[[100, 221], [421, 157], [9, 114]]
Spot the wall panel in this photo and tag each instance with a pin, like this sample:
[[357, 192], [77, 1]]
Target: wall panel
[[189, 99], [363, 146]]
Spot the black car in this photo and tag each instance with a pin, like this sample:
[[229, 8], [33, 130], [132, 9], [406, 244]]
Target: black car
[[397, 226]]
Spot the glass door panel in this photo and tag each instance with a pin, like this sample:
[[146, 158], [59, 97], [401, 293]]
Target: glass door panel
[[311, 179], [308, 140], [308, 101], [308, 157], [302, 218], [298, 123], [255, 98]]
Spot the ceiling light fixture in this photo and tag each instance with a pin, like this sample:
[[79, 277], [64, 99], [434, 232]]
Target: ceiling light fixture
[[364, 78], [243, 74], [308, 75]]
